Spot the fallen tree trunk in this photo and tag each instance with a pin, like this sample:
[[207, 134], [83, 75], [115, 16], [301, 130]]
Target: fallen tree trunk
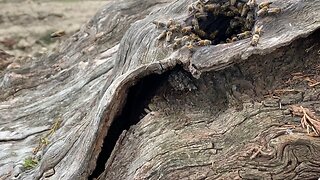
[[114, 102]]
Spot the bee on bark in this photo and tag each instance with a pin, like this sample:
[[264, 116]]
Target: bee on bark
[[186, 29], [225, 6], [204, 1], [264, 4], [234, 39], [185, 39], [162, 35], [170, 23], [168, 36], [189, 45], [195, 23], [204, 42], [201, 15], [250, 17], [159, 24], [275, 10], [251, 3], [262, 12], [191, 9], [258, 29], [175, 28], [212, 7], [244, 10], [255, 40], [177, 43], [256, 36], [244, 35]]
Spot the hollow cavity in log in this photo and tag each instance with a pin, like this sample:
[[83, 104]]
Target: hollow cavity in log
[[136, 105]]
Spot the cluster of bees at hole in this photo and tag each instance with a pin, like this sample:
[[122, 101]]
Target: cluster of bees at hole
[[225, 21]]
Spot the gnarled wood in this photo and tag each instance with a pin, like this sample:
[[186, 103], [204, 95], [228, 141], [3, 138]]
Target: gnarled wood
[[222, 128]]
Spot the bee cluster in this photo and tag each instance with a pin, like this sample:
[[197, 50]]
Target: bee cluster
[[216, 22]]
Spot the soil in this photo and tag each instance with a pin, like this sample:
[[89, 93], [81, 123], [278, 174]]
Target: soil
[[26, 25]]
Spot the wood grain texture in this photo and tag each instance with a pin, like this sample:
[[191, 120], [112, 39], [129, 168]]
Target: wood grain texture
[[85, 82]]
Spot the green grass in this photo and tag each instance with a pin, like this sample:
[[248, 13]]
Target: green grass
[[30, 163]]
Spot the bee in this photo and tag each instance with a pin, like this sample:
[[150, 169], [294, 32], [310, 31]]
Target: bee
[[170, 23], [244, 10], [234, 9], [229, 13], [228, 40], [204, 1], [59, 33], [239, 5], [200, 15], [234, 39], [248, 25], [264, 4], [225, 6], [204, 42], [258, 30], [241, 20], [200, 32], [212, 7], [250, 17], [275, 10], [199, 7], [186, 29], [191, 8], [162, 35], [262, 12], [234, 23], [196, 27], [175, 28], [229, 30], [214, 34], [189, 45], [251, 3], [174, 46], [159, 24], [177, 40], [232, 2], [255, 40], [185, 38], [195, 37], [168, 36], [244, 35], [195, 23]]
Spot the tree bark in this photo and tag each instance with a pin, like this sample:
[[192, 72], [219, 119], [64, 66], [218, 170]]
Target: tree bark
[[220, 112]]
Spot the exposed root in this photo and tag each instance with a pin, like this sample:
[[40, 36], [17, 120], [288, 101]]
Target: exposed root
[[308, 119]]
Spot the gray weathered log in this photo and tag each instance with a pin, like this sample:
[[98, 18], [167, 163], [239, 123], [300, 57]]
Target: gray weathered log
[[224, 129]]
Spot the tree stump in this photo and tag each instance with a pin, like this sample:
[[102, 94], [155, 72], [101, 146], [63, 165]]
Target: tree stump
[[113, 102]]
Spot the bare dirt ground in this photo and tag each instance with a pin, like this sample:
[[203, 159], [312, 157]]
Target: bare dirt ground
[[26, 25]]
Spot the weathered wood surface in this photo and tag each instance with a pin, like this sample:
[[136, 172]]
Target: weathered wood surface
[[197, 135]]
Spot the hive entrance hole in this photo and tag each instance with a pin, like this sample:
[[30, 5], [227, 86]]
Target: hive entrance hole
[[220, 24]]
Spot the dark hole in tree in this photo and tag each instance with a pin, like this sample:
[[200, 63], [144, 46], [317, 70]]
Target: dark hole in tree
[[224, 24], [218, 23], [139, 96]]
